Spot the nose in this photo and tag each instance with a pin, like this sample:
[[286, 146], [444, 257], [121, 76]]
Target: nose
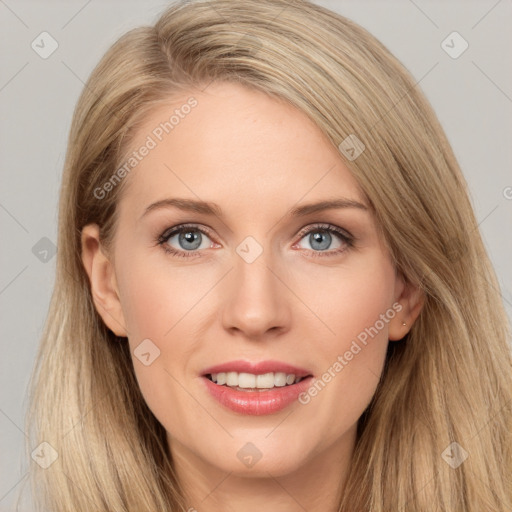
[[256, 301]]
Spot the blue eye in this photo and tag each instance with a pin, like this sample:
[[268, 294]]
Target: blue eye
[[320, 239], [191, 239]]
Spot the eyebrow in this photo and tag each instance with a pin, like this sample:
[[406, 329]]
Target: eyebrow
[[209, 208]]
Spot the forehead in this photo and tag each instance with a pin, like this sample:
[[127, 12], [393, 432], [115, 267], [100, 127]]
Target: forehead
[[235, 146]]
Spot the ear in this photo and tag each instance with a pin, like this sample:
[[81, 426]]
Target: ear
[[103, 282], [411, 299]]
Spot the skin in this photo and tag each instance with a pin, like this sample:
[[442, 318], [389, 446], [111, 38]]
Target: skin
[[249, 153]]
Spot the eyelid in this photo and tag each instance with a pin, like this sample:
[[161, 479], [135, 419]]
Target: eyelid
[[347, 238], [181, 227], [324, 226], [302, 232]]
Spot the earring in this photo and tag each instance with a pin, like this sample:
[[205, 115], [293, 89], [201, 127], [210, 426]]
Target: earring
[[403, 323]]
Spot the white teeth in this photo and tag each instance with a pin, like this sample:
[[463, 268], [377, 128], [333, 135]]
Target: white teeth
[[252, 381], [264, 381], [280, 379], [246, 380], [232, 379]]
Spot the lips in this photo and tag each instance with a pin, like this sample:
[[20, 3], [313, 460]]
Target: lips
[[257, 368], [257, 402]]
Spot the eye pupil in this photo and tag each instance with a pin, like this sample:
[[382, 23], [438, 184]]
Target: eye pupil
[[190, 237], [323, 238]]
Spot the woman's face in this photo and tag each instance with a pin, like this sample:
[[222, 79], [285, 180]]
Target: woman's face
[[259, 276]]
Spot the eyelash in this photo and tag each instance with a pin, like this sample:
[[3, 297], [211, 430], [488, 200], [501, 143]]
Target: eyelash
[[347, 240]]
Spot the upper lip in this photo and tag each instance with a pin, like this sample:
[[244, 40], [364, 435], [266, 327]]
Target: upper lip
[[259, 368]]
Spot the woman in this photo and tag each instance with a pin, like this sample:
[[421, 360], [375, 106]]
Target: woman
[[263, 297]]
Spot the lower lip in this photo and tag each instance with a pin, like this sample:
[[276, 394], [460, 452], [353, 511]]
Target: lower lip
[[257, 403]]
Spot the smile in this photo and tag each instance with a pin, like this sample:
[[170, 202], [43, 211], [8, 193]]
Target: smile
[[253, 382], [256, 389]]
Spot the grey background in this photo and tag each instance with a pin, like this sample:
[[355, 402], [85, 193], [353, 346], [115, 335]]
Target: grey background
[[472, 96]]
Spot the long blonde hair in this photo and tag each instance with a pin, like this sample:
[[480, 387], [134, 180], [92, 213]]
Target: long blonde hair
[[448, 381]]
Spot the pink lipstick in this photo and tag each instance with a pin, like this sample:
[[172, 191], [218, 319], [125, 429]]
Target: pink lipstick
[[256, 389]]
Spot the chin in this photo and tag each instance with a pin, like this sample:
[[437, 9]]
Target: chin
[[250, 461]]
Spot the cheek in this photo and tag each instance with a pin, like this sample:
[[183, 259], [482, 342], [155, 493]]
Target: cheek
[[158, 306], [155, 302], [356, 306], [351, 299], [155, 297]]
